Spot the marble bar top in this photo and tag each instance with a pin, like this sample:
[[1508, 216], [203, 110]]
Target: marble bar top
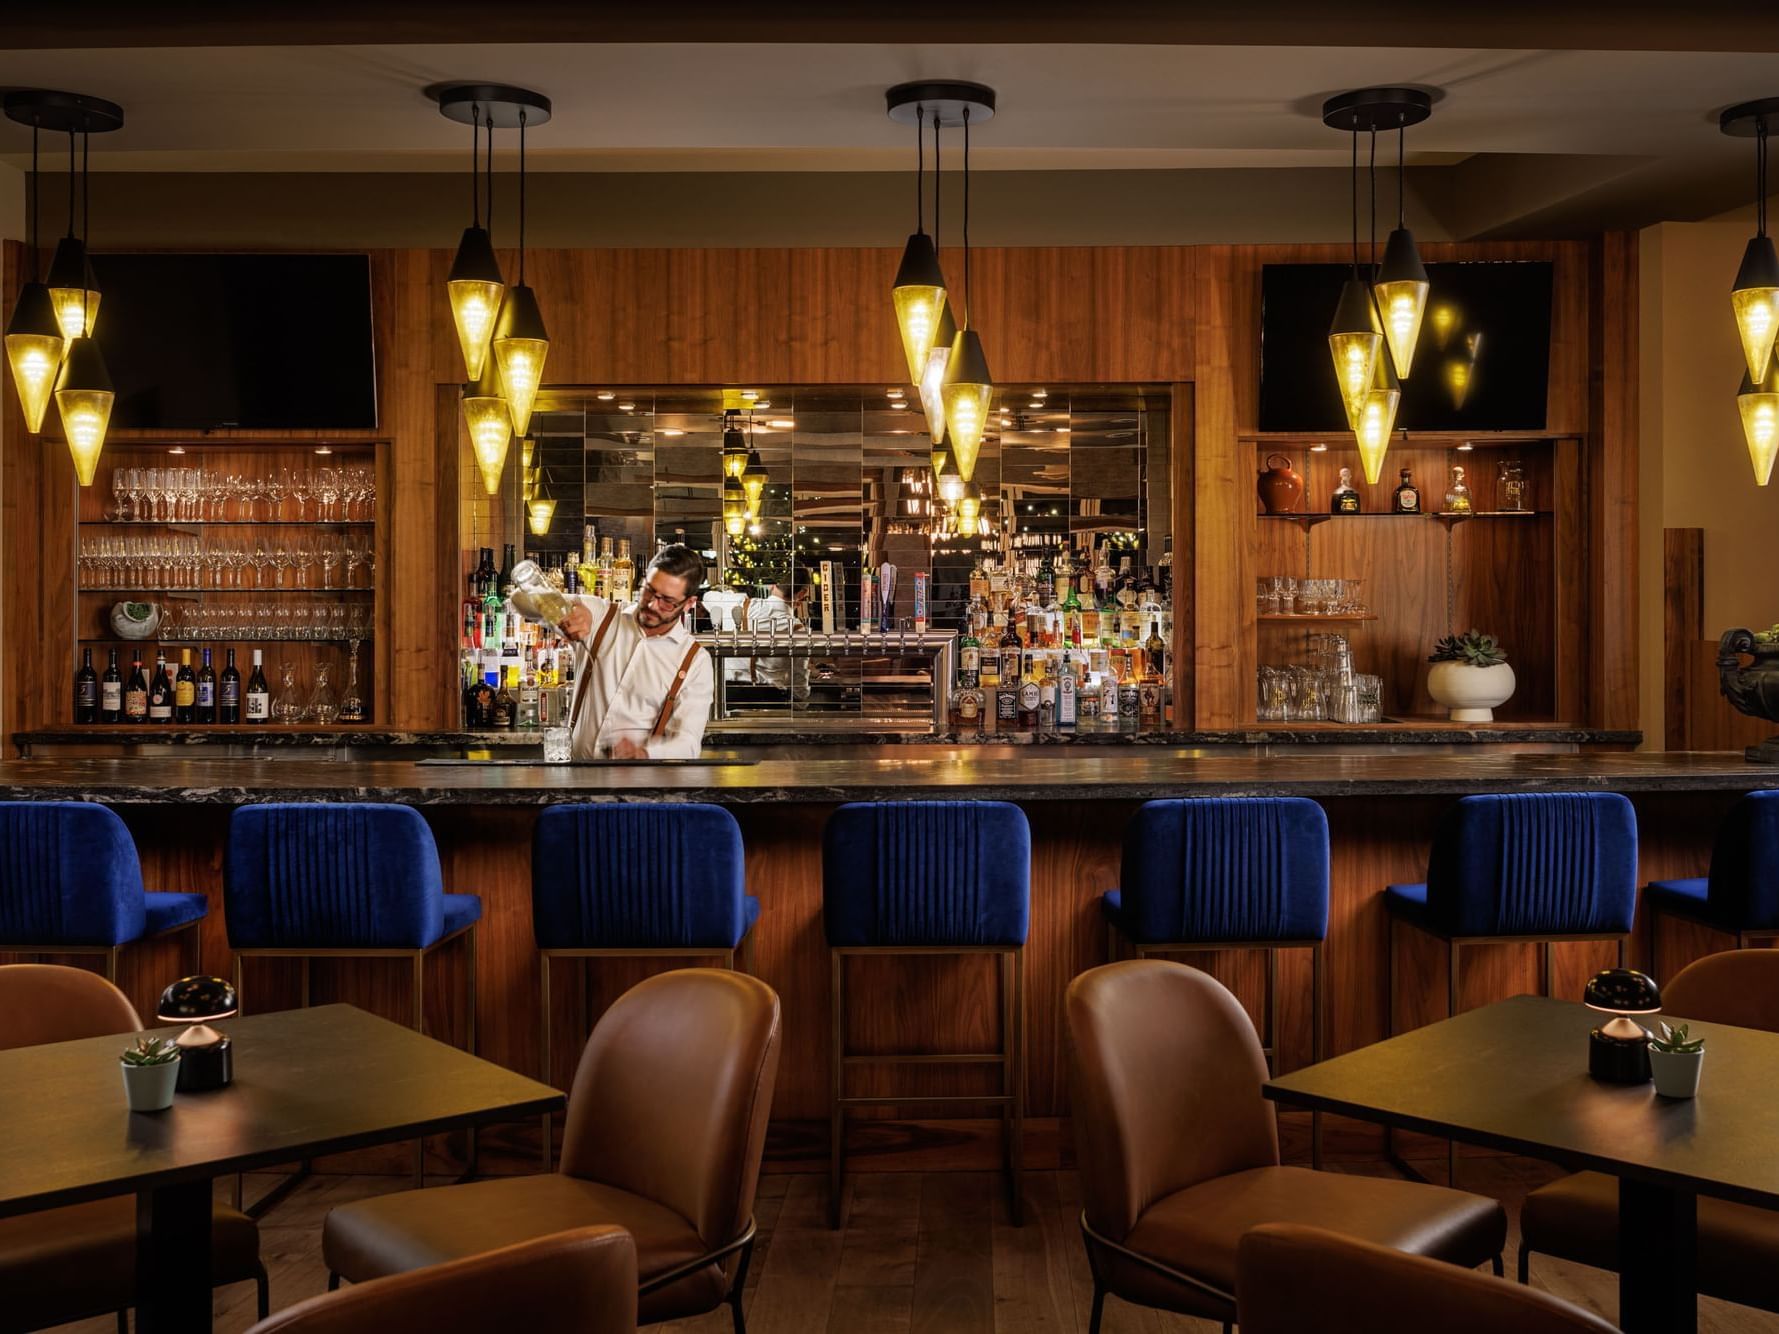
[[956, 773]]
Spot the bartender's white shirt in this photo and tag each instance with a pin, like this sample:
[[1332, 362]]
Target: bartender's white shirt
[[629, 682]]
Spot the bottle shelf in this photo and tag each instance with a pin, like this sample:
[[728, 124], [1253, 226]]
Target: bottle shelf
[[172, 591], [203, 640], [1443, 516], [159, 729], [1304, 618], [228, 523]]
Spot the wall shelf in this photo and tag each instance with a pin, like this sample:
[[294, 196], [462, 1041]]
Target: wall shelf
[[1302, 618]]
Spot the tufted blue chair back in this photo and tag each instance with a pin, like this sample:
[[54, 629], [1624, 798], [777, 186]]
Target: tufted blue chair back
[[927, 873], [1534, 864], [637, 877], [69, 875], [1744, 888], [1226, 868], [332, 876]]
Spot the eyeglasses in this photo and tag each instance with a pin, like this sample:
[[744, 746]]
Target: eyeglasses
[[648, 594]]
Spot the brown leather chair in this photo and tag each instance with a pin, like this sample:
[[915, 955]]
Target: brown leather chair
[[1291, 1278], [65, 1264], [1576, 1217], [666, 1124], [1179, 1152], [578, 1282]]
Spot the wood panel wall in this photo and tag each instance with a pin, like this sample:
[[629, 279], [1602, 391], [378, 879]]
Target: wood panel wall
[[1695, 715], [1153, 314]]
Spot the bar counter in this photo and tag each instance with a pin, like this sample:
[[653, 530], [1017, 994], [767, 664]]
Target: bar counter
[[1381, 809]]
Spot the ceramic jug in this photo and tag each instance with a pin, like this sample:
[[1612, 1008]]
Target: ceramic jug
[[1281, 488]]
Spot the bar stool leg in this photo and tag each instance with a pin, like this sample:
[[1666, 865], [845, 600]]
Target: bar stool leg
[[548, 1118], [1017, 1142], [1451, 1145], [475, 1133], [837, 1120], [111, 965], [1272, 1013], [1390, 1014], [419, 1027], [1316, 1044]]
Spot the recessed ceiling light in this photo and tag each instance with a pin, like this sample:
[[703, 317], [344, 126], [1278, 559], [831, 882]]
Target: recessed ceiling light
[[606, 396], [626, 407], [1320, 447], [1036, 403], [781, 423], [894, 393], [761, 404], [1466, 447], [1040, 393], [177, 449], [898, 404], [323, 449], [750, 394], [1062, 430], [671, 430]]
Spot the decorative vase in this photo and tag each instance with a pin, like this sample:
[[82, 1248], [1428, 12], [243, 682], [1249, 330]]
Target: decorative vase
[[135, 620], [1470, 694], [149, 1088], [1752, 689], [1676, 1073], [1280, 485]]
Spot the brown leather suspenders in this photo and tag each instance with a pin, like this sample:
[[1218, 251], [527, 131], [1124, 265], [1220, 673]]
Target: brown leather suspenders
[[679, 678]]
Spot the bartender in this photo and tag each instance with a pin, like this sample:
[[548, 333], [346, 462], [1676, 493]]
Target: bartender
[[643, 685]]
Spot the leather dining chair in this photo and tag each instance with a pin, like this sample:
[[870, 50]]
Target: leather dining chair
[[1178, 1150], [1291, 1278], [58, 1265], [577, 1282], [665, 1128], [1576, 1217]]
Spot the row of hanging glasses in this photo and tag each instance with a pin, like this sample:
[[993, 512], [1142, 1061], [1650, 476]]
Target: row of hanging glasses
[[191, 620], [326, 494], [270, 558]]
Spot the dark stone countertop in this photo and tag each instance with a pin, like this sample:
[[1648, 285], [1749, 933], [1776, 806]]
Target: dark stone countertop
[[1048, 775]]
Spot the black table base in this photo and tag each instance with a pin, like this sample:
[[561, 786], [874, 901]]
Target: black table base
[[1658, 1229], [173, 1276]]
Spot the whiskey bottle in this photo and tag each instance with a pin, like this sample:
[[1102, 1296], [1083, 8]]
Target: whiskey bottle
[[1406, 499], [160, 692], [86, 690], [1007, 701], [185, 690], [623, 573], [111, 693], [1345, 499], [1030, 695], [969, 657]]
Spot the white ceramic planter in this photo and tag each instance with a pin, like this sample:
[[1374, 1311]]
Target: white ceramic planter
[[149, 1088], [1676, 1072], [1470, 694]]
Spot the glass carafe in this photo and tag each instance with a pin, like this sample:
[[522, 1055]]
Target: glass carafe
[[286, 707], [323, 707], [352, 706]]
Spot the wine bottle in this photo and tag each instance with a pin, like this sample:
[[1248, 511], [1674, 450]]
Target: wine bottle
[[111, 693], [504, 580], [259, 695], [228, 706], [136, 695], [185, 690], [205, 711], [160, 692], [86, 690]]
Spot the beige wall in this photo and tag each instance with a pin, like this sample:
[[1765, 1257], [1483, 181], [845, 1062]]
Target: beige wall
[[1694, 464]]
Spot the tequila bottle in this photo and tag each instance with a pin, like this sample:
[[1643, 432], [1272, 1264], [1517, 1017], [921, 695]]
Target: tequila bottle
[[1457, 495]]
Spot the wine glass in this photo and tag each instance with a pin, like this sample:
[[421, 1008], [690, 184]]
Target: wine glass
[[120, 492], [301, 484], [327, 485], [276, 483]]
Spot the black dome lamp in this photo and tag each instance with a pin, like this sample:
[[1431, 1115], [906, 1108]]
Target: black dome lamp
[[206, 1056], [1618, 1050]]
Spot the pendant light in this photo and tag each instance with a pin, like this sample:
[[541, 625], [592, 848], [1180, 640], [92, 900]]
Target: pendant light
[[1354, 341], [1758, 401], [1377, 419], [34, 342], [475, 285], [734, 507], [734, 445], [753, 483], [72, 288], [1401, 285], [932, 377], [918, 292], [490, 427], [521, 344], [951, 481], [968, 388], [938, 454], [969, 508], [1755, 296]]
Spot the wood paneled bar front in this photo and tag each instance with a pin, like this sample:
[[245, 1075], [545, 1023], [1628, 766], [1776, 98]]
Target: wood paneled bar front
[[1381, 810]]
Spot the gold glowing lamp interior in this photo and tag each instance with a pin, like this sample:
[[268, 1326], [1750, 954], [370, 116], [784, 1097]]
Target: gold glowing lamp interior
[[734, 507], [84, 397], [34, 347], [490, 427], [931, 385], [735, 451], [753, 483], [969, 507], [475, 288], [1356, 346], [73, 289], [1758, 401], [969, 393], [1755, 300], [951, 481], [540, 512], [919, 298], [521, 346], [1401, 289], [1377, 418]]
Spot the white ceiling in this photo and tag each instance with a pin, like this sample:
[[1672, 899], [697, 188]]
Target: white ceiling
[[698, 107]]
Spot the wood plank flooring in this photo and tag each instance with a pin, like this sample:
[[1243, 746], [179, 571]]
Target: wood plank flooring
[[920, 1253]]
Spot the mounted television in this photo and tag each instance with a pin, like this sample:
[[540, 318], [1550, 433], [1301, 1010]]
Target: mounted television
[[272, 342], [1482, 362]]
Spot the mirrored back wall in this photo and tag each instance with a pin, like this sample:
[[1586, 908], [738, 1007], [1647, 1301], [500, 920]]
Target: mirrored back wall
[[848, 480]]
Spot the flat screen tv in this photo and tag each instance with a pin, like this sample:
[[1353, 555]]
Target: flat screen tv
[[273, 342], [1482, 362]]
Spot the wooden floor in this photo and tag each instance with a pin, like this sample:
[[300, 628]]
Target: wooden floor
[[921, 1253]]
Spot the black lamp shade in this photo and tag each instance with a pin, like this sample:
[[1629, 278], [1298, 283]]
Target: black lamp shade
[[920, 264], [475, 262], [197, 1000], [70, 267], [34, 313], [1354, 313], [1402, 261], [1760, 265], [1623, 991]]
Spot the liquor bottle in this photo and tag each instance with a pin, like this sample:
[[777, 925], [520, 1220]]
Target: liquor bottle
[[1406, 499], [504, 580], [1046, 702], [604, 586], [185, 690], [1156, 647], [1072, 632], [111, 693], [1345, 499], [136, 694], [259, 694], [969, 658], [160, 692], [504, 709], [528, 699], [1030, 694], [1109, 701], [1164, 572], [1065, 694], [228, 701], [484, 575], [206, 702], [1009, 666], [86, 690], [1457, 495], [978, 582], [1104, 579], [623, 573], [1007, 699], [966, 710]]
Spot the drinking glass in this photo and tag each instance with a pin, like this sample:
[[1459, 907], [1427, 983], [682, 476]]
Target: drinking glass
[[323, 707], [1267, 596], [300, 487], [557, 745], [120, 492]]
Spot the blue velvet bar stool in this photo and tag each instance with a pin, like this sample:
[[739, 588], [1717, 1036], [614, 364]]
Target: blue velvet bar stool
[[1521, 867], [626, 881], [929, 878], [1236, 873], [317, 880], [71, 883], [1740, 896]]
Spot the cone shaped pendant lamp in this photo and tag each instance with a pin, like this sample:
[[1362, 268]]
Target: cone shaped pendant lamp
[[1758, 401], [84, 397], [1401, 285], [1754, 297], [73, 289], [490, 428], [1356, 346], [967, 389], [932, 382], [918, 292], [475, 285], [520, 348], [34, 341], [1377, 418]]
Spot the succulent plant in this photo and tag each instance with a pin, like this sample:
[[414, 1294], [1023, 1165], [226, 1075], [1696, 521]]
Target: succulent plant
[[1676, 1041], [151, 1051], [1473, 648]]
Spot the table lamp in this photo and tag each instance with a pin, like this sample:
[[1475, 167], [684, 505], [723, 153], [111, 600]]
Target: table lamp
[[206, 1060], [1618, 1050]]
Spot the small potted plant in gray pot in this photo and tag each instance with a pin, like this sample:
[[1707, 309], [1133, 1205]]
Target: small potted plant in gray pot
[[1470, 676], [1675, 1059], [151, 1072]]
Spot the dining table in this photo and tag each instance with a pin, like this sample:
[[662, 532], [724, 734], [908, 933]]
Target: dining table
[[306, 1082], [1514, 1076]]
